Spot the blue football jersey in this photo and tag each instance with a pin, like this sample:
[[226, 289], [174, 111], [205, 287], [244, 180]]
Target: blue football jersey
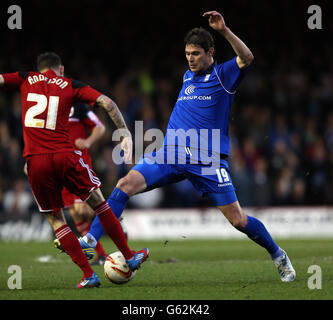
[[200, 118]]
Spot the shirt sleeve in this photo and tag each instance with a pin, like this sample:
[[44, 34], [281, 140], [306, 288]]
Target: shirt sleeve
[[14, 80], [84, 93], [230, 74], [91, 120]]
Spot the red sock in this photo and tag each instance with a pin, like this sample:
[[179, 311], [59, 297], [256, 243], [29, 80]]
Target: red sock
[[71, 245], [100, 250], [82, 227], [112, 227]]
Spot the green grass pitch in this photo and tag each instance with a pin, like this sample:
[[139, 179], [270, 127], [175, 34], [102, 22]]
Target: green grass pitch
[[176, 270]]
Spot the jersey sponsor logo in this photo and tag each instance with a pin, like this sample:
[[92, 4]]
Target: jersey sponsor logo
[[194, 98], [190, 89]]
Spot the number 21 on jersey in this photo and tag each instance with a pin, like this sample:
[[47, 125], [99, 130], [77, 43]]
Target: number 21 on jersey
[[42, 103]]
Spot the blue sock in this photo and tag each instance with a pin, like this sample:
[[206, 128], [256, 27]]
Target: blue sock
[[96, 229], [117, 202], [257, 232]]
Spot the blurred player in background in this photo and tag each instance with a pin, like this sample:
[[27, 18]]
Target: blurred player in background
[[53, 163], [83, 120], [204, 102]]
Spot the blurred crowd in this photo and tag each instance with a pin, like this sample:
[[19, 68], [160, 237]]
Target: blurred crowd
[[281, 125]]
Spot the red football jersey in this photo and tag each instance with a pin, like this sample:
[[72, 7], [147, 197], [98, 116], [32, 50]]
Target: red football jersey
[[81, 120], [46, 103]]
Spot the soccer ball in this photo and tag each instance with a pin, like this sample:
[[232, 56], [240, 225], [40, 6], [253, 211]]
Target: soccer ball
[[116, 269]]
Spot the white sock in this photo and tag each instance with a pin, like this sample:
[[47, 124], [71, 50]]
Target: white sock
[[90, 240]]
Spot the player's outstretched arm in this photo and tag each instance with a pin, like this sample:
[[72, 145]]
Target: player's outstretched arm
[[244, 54], [2, 81], [112, 109]]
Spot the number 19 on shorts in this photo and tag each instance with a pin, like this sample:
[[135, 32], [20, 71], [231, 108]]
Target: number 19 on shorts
[[222, 175]]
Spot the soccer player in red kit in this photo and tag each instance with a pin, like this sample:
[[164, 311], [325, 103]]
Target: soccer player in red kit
[[53, 163], [81, 120], [85, 128]]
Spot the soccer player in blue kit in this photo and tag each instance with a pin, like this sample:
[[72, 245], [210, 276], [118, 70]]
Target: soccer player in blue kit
[[198, 133]]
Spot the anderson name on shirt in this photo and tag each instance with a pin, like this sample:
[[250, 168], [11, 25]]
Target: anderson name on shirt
[[58, 81]]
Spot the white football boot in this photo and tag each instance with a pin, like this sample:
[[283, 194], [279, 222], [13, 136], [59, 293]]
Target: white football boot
[[286, 271]]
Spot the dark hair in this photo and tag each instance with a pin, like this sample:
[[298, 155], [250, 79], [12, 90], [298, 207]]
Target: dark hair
[[48, 60], [199, 37]]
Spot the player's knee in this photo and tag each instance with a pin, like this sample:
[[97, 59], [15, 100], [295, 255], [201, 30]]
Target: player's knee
[[56, 219], [129, 184], [237, 218], [81, 212], [74, 214], [96, 198], [125, 184], [238, 222]]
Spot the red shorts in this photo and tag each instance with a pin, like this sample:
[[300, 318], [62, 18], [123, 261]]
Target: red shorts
[[69, 198], [49, 173]]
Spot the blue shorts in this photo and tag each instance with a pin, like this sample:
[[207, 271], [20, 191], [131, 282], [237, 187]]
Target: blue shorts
[[214, 183]]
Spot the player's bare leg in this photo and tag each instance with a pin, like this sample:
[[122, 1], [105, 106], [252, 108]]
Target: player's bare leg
[[113, 229], [257, 232], [71, 246], [82, 216], [133, 183], [81, 213], [235, 215]]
